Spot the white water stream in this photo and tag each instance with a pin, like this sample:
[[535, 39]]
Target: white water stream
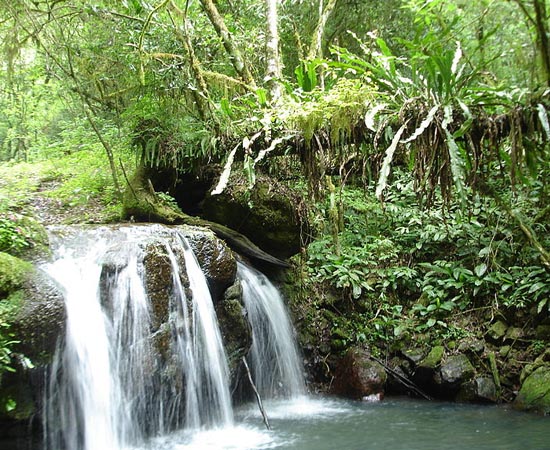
[[275, 359]]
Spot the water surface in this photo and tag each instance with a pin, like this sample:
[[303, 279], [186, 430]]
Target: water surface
[[396, 424]]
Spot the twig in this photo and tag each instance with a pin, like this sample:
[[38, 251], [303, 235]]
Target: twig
[[258, 398], [403, 380]]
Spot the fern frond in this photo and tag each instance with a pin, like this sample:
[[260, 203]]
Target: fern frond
[[371, 114], [386, 165], [457, 168], [543, 117], [224, 178], [425, 124]]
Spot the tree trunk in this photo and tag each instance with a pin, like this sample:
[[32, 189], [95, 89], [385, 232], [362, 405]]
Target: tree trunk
[[234, 53], [108, 150], [273, 73], [542, 37], [324, 14]]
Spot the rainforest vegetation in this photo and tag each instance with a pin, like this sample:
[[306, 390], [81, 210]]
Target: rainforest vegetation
[[416, 131]]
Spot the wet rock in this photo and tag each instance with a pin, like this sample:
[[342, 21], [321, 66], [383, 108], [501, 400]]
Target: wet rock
[[486, 389], [456, 370], [235, 329], [158, 281], [358, 376], [37, 324], [216, 261], [40, 319], [534, 394]]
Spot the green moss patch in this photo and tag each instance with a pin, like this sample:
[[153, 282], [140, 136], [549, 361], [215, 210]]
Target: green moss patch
[[13, 273]]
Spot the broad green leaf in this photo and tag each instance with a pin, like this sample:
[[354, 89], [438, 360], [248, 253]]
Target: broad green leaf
[[536, 287], [480, 269], [10, 405]]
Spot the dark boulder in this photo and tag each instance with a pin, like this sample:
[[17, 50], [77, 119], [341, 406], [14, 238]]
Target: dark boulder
[[234, 326], [455, 371], [270, 214], [357, 376]]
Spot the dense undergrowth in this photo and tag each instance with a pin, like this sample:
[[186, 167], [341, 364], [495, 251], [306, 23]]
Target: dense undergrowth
[[394, 274]]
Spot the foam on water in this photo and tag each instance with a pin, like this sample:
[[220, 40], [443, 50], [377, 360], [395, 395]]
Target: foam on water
[[302, 408], [240, 437]]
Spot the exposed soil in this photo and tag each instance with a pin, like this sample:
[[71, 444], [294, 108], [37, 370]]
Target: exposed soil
[[50, 211]]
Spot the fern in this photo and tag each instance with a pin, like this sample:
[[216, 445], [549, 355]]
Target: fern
[[457, 169], [386, 165], [543, 117], [224, 178], [425, 124]]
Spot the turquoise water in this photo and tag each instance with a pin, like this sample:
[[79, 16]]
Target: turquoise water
[[396, 424]]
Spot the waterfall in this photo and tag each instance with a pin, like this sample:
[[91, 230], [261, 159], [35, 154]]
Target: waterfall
[[276, 363], [142, 354], [119, 377]]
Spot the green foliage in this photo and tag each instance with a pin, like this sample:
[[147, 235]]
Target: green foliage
[[432, 265], [13, 238]]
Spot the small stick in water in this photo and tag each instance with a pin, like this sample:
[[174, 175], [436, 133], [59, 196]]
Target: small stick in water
[[258, 398]]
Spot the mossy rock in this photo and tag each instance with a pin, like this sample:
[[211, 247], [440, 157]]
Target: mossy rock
[[14, 272], [270, 214], [234, 327], [497, 331], [39, 319], [433, 359], [534, 394]]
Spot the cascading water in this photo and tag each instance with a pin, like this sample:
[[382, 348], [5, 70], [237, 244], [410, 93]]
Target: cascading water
[[120, 377], [275, 359]]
